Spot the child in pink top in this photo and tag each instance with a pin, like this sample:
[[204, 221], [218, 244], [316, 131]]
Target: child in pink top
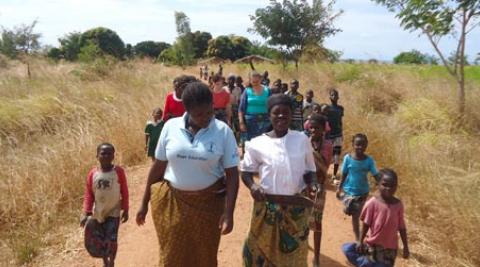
[[221, 100], [383, 218], [316, 109]]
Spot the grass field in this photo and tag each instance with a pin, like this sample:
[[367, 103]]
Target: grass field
[[50, 126]]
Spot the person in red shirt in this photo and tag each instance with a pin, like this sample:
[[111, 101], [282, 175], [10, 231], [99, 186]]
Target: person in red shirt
[[221, 100], [105, 197], [173, 102]]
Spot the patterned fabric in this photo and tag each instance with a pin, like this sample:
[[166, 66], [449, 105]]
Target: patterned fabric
[[256, 125], [353, 205], [221, 114], [378, 254], [278, 236], [101, 238], [186, 225], [315, 220]]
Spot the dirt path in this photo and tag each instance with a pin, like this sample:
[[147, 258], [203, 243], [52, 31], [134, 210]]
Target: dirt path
[[138, 246]]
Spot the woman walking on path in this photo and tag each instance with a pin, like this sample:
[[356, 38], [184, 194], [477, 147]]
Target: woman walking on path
[[252, 113], [221, 100], [193, 184], [283, 158], [173, 102]]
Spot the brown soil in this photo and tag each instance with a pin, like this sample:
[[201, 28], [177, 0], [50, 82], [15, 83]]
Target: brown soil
[[138, 246]]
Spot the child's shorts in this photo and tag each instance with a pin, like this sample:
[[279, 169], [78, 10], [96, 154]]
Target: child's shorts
[[353, 205], [101, 238], [315, 219], [376, 256]]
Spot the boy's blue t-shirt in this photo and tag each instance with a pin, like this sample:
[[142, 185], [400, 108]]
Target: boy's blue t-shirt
[[356, 182]]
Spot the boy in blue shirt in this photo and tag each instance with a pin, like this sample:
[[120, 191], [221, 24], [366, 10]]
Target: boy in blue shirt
[[354, 182]]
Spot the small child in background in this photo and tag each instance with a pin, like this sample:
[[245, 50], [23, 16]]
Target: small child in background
[[308, 104], [152, 132], [382, 217], [322, 153], [354, 181], [316, 109], [106, 195], [284, 88]]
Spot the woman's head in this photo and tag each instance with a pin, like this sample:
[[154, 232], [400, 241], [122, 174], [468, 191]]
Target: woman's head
[[180, 82], [218, 80], [255, 78], [317, 125], [280, 111], [360, 143], [198, 102], [387, 184]]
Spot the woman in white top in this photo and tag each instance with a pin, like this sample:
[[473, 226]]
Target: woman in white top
[[283, 158]]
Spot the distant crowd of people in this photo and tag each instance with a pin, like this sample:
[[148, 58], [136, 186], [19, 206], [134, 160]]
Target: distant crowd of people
[[287, 140]]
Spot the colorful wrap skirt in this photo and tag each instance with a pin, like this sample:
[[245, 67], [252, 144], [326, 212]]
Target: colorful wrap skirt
[[221, 114], [101, 238], [257, 124], [187, 224], [278, 236]]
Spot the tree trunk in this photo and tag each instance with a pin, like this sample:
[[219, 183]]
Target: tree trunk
[[461, 73]]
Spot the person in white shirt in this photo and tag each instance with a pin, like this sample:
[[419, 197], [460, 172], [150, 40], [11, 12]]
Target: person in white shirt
[[284, 160]]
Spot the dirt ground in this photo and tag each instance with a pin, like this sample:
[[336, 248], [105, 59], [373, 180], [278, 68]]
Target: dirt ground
[[138, 246]]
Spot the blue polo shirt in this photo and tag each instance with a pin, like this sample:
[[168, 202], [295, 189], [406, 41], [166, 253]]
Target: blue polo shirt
[[196, 161]]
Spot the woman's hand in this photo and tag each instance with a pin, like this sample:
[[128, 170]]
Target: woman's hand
[[141, 215], [243, 127], [257, 192], [226, 224]]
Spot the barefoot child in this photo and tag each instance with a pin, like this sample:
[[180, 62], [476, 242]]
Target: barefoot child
[[354, 182], [106, 194], [335, 115], [152, 132], [322, 153], [382, 218]]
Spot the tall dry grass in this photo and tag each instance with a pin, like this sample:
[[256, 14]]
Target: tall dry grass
[[51, 124]]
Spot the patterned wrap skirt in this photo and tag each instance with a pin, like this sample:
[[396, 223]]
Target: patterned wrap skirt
[[101, 238], [278, 236], [187, 224], [257, 124]]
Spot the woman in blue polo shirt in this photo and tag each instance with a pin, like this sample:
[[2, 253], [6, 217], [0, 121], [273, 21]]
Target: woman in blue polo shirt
[[252, 112], [193, 183]]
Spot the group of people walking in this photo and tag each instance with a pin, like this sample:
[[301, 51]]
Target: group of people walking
[[288, 143]]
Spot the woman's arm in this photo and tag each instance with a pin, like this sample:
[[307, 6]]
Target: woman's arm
[[231, 181], [155, 175], [255, 190]]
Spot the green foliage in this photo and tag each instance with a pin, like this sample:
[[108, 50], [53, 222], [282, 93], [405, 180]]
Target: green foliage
[[263, 50], [54, 53], [150, 49], [182, 23], [411, 57], [70, 45], [200, 43], [183, 50], [221, 47], [241, 46], [106, 40], [89, 52], [291, 25], [22, 39], [129, 52]]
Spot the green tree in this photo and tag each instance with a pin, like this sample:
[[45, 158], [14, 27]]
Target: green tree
[[292, 25], [8, 44], [21, 40], [150, 49], [221, 47], [54, 53], [90, 52], [70, 45], [241, 46], [263, 50], [129, 51], [437, 19], [411, 57], [106, 40], [183, 46], [200, 43]]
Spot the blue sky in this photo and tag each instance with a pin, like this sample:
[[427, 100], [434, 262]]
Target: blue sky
[[369, 30]]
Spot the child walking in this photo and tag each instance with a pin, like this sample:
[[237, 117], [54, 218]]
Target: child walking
[[383, 218], [106, 195], [354, 181], [335, 115], [152, 132], [322, 153]]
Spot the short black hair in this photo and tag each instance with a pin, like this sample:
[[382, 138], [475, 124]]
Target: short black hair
[[279, 99], [196, 94], [105, 144], [332, 90], [217, 77], [361, 136], [386, 172], [182, 81], [322, 120]]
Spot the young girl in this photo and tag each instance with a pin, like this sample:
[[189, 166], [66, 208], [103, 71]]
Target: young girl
[[152, 132], [106, 194], [354, 181], [382, 218], [317, 109], [322, 153]]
